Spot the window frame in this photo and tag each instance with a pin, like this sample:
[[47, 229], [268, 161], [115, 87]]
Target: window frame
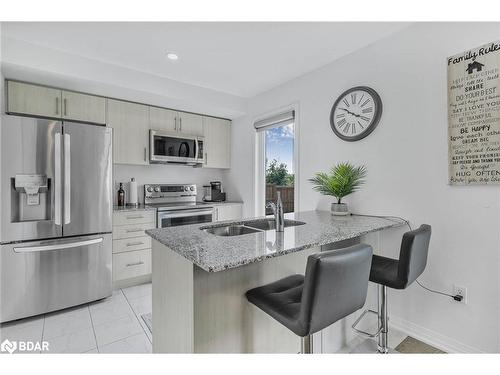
[[260, 160]]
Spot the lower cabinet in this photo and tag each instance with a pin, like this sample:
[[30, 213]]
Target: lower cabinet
[[131, 264], [228, 211], [131, 245]]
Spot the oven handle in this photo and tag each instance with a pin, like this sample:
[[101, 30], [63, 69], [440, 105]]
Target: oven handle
[[183, 213]]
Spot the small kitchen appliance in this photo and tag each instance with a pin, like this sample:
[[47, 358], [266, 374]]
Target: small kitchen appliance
[[213, 192]]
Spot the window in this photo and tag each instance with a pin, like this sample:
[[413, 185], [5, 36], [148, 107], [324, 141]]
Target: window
[[276, 165]]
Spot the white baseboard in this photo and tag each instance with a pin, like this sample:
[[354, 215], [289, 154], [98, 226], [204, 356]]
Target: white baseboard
[[438, 340]]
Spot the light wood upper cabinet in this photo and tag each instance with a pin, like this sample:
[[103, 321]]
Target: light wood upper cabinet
[[28, 99], [217, 145], [23, 98], [82, 107], [175, 121], [162, 119], [130, 123], [190, 123]]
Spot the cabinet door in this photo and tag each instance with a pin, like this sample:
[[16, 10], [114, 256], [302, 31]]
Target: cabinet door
[[190, 123], [217, 145], [130, 123], [163, 119], [82, 107], [228, 212], [34, 100]]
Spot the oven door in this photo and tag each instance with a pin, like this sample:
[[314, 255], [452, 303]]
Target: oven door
[[173, 148], [175, 218]]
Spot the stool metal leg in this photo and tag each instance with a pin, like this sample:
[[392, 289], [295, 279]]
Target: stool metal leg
[[382, 319], [306, 345]]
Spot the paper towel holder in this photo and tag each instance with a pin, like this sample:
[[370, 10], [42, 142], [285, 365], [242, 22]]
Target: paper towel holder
[[132, 196]]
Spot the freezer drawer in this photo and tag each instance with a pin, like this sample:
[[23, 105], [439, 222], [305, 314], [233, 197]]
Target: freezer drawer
[[42, 276]]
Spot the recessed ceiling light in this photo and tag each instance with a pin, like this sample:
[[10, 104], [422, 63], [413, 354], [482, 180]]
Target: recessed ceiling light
[[172, 56]]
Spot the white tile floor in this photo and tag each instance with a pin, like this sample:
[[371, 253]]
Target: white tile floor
[[112, 325]]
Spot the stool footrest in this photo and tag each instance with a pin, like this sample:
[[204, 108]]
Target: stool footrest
[[364, 333]]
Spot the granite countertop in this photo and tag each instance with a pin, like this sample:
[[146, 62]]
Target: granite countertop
[[140, 207], [216, 253]]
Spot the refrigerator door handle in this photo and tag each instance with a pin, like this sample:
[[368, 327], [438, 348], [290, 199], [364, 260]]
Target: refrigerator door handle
[[67, 179], [57, 179], [60, 246]]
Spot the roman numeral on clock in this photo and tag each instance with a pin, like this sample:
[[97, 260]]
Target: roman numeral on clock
[[341, 123], [346, 102], [367, 110], [365, 102], [353, 98]]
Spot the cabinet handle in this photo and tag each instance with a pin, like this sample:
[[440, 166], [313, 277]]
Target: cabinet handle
[[57, 105], [135, 217], [145, 154], [134, 244], [65, 104], [133, 230], [175, 123], [206, 158], [180, 124], [134, 264]]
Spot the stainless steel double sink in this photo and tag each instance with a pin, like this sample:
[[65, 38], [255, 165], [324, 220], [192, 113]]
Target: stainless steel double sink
[[253, 226]]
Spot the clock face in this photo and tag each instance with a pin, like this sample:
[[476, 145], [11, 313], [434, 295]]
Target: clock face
[[356, 113]]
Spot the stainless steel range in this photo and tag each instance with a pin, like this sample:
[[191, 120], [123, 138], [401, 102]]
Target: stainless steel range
[[177, 205]]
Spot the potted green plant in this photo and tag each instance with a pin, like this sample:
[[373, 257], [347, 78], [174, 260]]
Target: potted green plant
[[343, 179]]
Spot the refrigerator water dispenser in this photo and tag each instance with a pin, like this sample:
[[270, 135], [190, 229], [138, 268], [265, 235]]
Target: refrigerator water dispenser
[[30, 198]]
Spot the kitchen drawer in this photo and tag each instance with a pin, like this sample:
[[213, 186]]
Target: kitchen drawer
[[131, 230], [130, 244], [134, 217], [131, 264]]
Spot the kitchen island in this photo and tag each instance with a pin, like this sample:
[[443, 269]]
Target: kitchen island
[[200, 276]]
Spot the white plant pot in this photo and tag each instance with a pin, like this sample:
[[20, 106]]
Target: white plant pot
[[340, 209]]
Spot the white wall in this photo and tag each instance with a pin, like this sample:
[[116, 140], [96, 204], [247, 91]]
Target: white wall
[[406, 157]]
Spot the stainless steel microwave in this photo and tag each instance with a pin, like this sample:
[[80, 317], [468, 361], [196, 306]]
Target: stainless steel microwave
[[171, 147]]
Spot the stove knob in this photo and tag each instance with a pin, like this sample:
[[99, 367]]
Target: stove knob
[[157, 189], [191, 188], [150, 189]]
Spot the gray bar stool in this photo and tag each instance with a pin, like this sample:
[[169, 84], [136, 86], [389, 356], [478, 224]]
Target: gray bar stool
[[334, 286], [396, 274]]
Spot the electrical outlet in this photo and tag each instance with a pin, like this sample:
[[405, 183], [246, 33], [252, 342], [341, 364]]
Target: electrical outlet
[[461, 291]]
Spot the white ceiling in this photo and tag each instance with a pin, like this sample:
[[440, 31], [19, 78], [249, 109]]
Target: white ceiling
[[242, 59]]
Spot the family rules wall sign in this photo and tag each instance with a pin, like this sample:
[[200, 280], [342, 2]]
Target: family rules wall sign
[[474, 116]]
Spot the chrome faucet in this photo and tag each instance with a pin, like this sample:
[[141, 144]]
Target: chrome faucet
[[277, 208]]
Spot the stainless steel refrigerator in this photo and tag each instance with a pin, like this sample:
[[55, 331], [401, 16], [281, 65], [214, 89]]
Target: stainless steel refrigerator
[[56, 215]]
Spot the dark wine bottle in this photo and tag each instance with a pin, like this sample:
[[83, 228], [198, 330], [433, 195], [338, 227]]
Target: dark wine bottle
[[121, 195]]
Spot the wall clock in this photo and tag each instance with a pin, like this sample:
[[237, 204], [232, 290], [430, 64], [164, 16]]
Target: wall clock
[[356, 113]]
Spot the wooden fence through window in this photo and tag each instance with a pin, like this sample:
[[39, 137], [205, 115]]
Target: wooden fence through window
[[287, 196]]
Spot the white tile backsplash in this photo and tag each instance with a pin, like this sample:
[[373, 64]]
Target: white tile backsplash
[[163, 174]]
